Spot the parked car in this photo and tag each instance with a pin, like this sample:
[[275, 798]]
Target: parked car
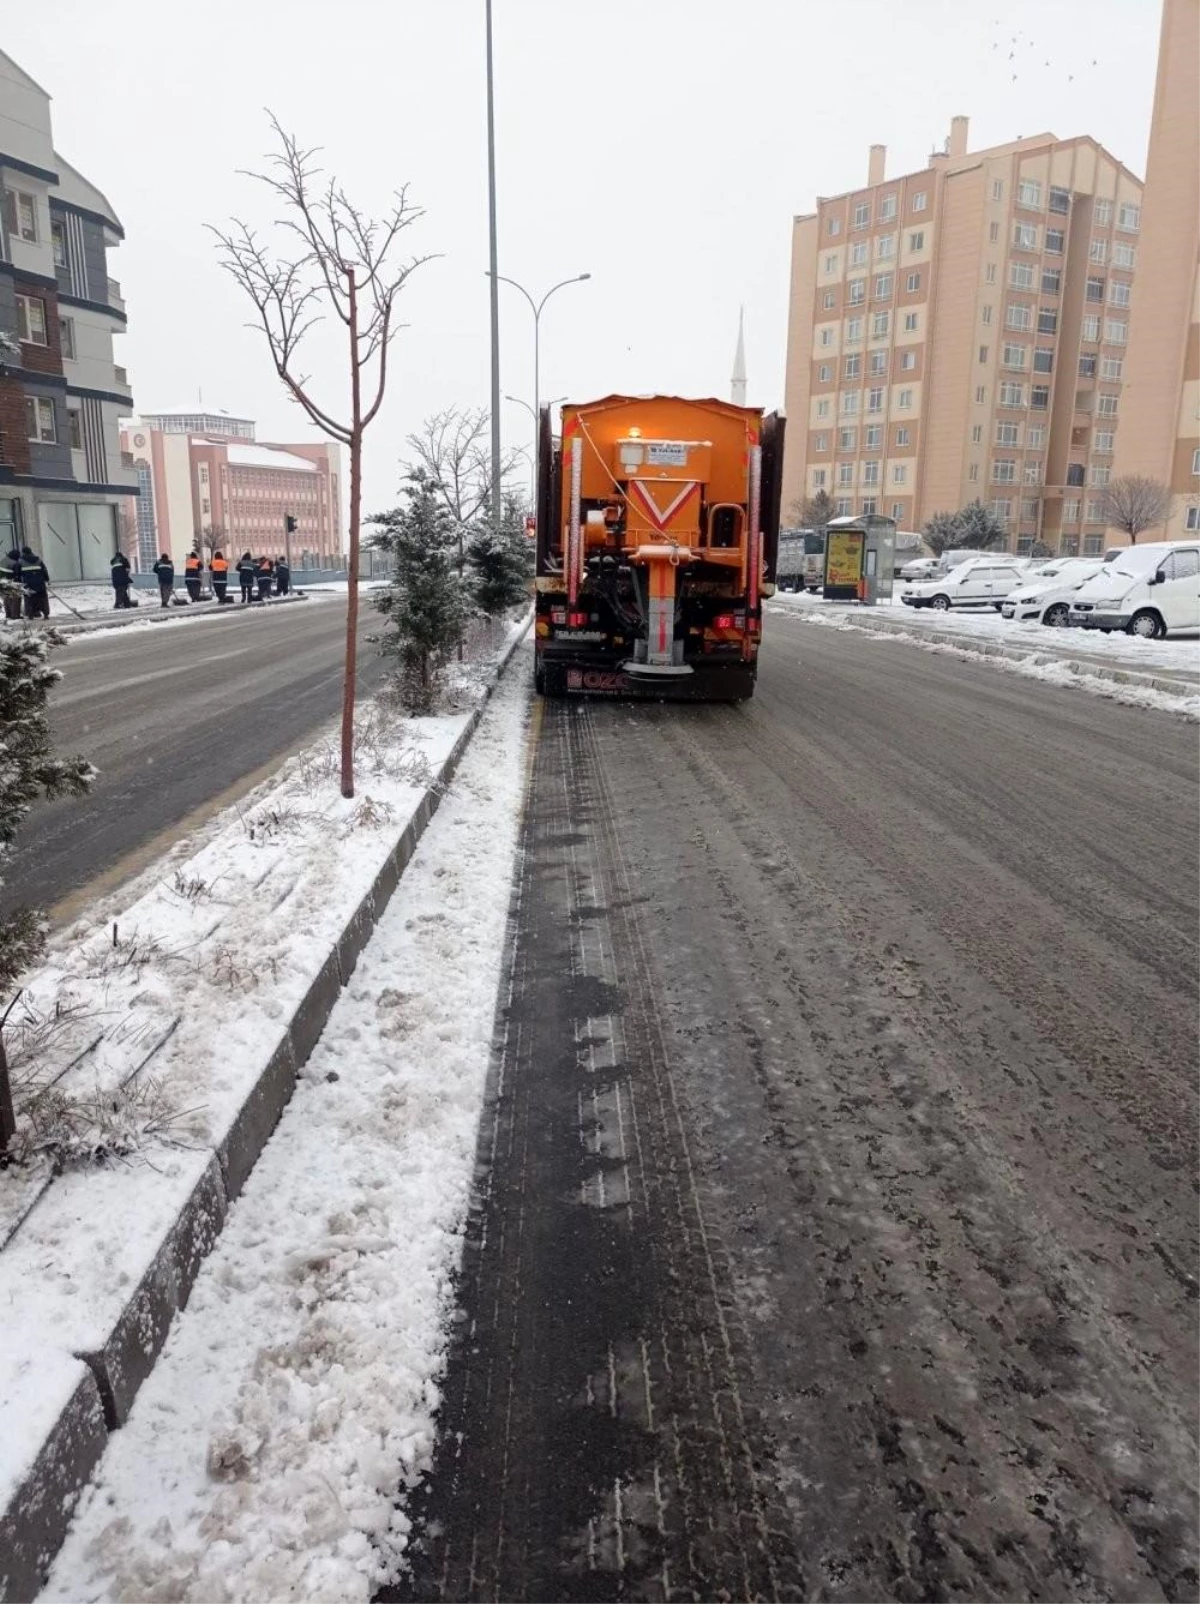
[[919, 568], [1045, 594], [1151, 590], [984, 582]]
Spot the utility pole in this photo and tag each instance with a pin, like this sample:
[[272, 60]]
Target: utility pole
[[494, 275]]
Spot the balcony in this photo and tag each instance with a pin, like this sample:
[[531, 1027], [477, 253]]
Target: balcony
[[115, 298], [121, 379]]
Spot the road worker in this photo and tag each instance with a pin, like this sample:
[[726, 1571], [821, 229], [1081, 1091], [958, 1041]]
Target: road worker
[[220, 574], [193, 575], [245, 573], [164, 570], [118, 567], [35, 582], [265, 575], [10, 583]]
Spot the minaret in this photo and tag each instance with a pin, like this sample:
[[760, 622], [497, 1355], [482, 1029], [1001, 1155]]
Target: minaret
[[737, 390]]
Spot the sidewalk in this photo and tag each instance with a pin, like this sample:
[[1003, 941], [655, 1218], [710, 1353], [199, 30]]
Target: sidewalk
[[120, 618]]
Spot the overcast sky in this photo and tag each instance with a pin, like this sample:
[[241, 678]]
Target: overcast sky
[[661, 145]]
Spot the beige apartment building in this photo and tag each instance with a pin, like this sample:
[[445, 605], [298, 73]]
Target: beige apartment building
[[1160, 435], [961, 332]]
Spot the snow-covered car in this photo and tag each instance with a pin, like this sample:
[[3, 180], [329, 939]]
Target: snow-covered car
[[985, 582], [1151, 590], [1046, 593], [918, 568]]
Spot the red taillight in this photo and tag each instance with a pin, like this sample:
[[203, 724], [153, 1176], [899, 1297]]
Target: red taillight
[[578, 620], [723, 621]]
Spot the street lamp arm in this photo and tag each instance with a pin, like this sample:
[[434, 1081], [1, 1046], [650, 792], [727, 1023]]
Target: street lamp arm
[[501, 279], [562, 284]]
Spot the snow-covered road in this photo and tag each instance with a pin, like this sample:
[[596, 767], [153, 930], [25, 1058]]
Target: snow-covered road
[[262, 1456]]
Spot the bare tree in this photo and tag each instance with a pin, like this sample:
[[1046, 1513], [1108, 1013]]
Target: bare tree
[[454, 450], [1135, 502], [211, 538], [335, 258]]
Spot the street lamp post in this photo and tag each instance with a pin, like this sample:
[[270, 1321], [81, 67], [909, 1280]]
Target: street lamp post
[[492, 258], [532, 411], [536, 308]]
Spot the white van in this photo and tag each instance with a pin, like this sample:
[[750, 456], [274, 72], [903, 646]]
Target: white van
[[1151, 591]]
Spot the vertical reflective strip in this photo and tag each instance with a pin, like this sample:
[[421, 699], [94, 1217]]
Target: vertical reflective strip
[[575, 537], [754, 540]]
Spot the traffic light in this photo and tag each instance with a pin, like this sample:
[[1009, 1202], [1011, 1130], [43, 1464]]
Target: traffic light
[[289, 524]]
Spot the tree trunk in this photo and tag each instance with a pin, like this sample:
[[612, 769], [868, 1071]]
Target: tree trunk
[[8, 1120], [349, 677]]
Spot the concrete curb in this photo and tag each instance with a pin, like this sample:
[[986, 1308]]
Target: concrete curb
[[35, 1522], [162, 615], [1084, 667]]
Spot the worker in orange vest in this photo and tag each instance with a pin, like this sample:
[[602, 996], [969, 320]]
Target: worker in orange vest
[[219, 568], [193, 575], [265, 576]]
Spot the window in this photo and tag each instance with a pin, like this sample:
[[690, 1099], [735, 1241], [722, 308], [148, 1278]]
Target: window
[[828, 300], [983, 353], [58, 239], [1037, 436], [905, 400], [912, 322], [914, 283], [1098, 253], [1033, 476], [993, 232], [1087, 366], [875, 400], [919, 201], [845, 473], [1071, 510], [858, 291], [1016, 356], [878, 363], [1115, 330], [885, 245], [31, 320], [1025, 236], [1060, 199], [997, 189], [908, 361], [1001, 509], [818, 478], [1039, 397], [824, 373], [1090, 328], [1004, 471], [66, 337], [20, 214], [1111, 367], [1103, 211], [887, 208], [1195, 461], [832, 262], [870, 474], [1192, 521], [1118, 293], [39, 420], [980, 394], [1043, 359], [849, 403], [897, 511], [1029, 193], [820, 442], [1101, 473], [847, 439], [1124, 255], [873, 437], [1095, 511], [1020, 276], [1012, 395], [870, 503], [75, 428], [916, 242], [880, 324], [986, 314], [899, 473], [858, 253], [1106, 406], [1029, 508], [842, 506], [1056, 240], [1093, 545], [854, 365], [901, 437], [862, 214], [1095, 289], [973, 472], [823, 407], [834, 225], [1019, 315], [1051, 281], [1047, 320], [883, 286], [976, 434], [1129, 217], [1008, 434], [1103, 442]]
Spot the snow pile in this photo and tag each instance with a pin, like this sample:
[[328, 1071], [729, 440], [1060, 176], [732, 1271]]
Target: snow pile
[[297, 1391]]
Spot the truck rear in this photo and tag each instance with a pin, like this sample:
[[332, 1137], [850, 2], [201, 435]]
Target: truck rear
[[657, 530]]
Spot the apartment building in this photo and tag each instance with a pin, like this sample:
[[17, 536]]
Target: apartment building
[[960, 332], [204, 472], [62, 475], [1160, 435]]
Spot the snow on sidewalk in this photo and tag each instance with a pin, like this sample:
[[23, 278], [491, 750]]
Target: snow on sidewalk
[[297, 1390]]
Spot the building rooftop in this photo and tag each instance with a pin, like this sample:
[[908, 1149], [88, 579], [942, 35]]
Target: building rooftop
[[195, 410], [265, 457]]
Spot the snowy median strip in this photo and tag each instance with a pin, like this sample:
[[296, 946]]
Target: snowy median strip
[[1128, 676], [151, 1063]]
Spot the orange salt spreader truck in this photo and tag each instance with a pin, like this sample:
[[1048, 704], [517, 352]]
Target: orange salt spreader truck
[[657, 527]]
